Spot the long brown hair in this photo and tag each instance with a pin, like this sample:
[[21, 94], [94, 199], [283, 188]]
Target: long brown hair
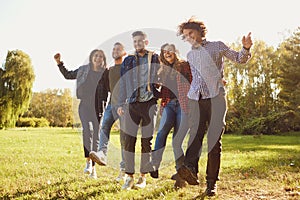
[[92, 54], [166, 66]]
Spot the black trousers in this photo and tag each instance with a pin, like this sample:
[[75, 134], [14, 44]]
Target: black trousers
[[143, 114], [206, 115]]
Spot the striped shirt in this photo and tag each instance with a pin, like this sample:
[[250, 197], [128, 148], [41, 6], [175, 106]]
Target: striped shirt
[[206, 64]]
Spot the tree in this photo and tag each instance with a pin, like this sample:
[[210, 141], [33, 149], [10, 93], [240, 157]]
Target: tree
[[252, 87], [17, 79], [55, 105], [289, 72]]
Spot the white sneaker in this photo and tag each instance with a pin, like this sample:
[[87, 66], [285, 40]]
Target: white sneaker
[[98, 157], [93, 175], [88, 168], [122, 176], [129, 182], [141, 182]]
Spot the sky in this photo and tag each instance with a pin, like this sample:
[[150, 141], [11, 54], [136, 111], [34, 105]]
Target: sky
[[75, 27]]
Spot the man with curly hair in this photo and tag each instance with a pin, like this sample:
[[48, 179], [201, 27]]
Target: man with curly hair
[[207, 99]]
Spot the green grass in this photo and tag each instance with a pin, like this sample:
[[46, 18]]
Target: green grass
[[48, 164]]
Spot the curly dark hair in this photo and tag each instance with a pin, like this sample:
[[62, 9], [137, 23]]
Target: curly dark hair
[[192, 23]]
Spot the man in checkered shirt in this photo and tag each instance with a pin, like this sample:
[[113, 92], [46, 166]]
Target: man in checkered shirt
[[207, 99]]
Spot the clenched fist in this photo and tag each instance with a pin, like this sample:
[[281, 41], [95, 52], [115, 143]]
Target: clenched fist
[[57, 58]]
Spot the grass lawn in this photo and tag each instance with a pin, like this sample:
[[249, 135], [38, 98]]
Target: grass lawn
[[48, 164]]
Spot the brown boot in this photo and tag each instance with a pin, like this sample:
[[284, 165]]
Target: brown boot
[[179, 182], [187, 174]]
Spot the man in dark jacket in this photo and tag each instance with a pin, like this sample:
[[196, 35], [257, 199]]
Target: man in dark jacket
[[137, 105]]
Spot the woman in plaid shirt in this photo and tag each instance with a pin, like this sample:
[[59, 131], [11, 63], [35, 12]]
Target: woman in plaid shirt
[[175, 77]]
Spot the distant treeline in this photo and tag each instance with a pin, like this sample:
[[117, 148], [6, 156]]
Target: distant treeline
[[263, 95]]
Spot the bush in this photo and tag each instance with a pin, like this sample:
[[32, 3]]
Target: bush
[[41, 122], [32, 122], [272, 124]]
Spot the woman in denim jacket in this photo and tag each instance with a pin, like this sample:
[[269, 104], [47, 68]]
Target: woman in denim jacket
[[92, 90]]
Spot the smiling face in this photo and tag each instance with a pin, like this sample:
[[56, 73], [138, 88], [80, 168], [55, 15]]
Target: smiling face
[[169, 54], [118, 52], [98, 58], [192, 36], [139, 43]]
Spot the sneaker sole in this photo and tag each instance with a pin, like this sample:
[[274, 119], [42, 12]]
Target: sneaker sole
[[87, 172], [187, 175], [93, 177], [96, 159], [140, 186]]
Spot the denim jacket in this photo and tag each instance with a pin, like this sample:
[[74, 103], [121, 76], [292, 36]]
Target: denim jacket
[[129, 78]]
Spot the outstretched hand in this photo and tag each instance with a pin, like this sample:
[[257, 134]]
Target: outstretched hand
[[57, 58], [247, 41]]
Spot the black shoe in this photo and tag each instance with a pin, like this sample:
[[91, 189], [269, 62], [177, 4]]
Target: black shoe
[[186, 174], [211, 189], [179, 182], [154, 174], [174, 176]]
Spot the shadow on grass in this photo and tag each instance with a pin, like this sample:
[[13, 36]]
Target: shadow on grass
[[63, 191], [33, 191]]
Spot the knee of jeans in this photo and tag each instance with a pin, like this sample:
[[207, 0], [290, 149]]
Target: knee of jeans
[[106, 127], [161, 134]]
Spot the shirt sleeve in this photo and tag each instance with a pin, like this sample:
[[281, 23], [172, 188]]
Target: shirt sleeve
[[122, 95], [240, 57], [68, 74]]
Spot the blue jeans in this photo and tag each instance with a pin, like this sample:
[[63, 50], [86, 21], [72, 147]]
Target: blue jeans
[[172, 117], [109, 118]]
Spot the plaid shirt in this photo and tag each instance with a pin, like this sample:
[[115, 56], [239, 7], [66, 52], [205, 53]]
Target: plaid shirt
[[183, 78], [206, 64]]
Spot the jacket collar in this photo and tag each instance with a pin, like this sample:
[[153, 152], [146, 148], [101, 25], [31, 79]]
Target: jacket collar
[[203, 43]]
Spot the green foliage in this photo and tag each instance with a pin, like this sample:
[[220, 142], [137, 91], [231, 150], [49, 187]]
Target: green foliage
[[16, 83], [55, 105], [32, 122], [252, 86], [25, 122], [289, 73], [269, 83], [273, 123]]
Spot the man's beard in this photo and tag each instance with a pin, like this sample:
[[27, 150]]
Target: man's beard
[[117, 58]]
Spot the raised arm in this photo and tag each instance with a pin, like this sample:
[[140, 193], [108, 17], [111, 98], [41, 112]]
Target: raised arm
[[243, 55], [68, 74]]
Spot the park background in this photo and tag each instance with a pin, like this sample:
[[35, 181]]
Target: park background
[[263, 95]]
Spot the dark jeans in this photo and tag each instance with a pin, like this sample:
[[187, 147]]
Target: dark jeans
[[90, 127], [206, 115], [138, 113]]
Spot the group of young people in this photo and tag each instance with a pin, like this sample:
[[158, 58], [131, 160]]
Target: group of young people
[[193, 101]]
